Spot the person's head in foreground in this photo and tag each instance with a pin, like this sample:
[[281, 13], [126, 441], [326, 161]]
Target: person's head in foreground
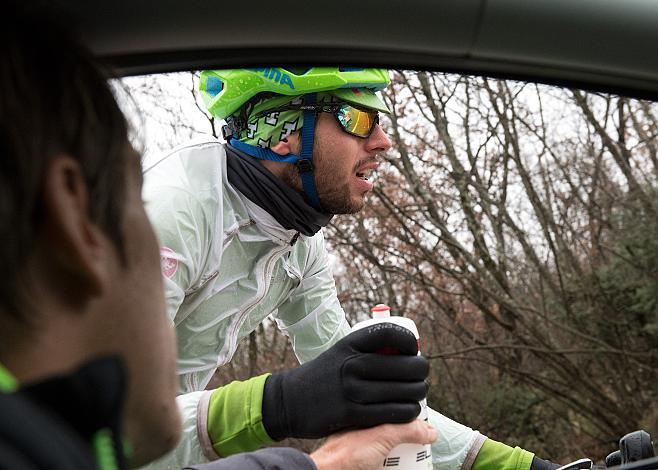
[[80, 260], [317, 128]]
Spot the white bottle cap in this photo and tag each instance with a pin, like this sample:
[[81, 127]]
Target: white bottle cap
[[381, 311]]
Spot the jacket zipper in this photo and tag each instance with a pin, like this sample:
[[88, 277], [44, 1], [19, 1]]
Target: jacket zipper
[[267, 274]]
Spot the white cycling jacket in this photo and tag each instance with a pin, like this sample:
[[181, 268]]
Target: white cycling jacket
[[227, 265]]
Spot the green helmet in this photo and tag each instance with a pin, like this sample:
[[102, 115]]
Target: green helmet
[[225, 91]]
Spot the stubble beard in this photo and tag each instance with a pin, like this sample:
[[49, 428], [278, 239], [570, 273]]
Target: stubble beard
[[333, 190]]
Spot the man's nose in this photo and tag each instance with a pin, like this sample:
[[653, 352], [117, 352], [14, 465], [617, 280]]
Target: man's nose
[[378, 140]]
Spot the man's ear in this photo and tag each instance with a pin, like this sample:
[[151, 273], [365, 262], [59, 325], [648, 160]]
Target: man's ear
[[287, 145], [79, 247]]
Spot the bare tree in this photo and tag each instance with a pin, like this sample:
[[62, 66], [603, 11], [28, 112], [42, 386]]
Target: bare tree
[[496, 227]]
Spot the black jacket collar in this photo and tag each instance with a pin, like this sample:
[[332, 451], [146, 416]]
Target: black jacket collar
[[55, 423]]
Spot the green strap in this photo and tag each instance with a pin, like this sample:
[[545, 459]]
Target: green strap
[[235, 417], [498, 456], [8, 382]]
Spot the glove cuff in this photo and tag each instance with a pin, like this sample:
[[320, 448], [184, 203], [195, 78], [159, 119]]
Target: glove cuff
[[274, 410], [498, 455], [234, 417]]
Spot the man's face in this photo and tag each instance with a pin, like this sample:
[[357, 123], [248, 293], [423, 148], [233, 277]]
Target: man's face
[[342, 164], [143, 334]]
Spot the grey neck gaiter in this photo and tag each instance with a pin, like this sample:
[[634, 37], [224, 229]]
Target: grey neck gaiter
[[282, 202]]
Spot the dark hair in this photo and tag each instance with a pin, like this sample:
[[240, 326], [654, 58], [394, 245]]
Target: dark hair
[[54, 99]]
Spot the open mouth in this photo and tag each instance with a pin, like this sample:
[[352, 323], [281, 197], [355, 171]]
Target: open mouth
[[365, 172]]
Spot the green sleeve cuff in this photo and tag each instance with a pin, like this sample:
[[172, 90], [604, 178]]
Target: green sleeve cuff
[[498, 456], [235, 417]]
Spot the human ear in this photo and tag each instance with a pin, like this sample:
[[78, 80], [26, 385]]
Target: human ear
[[287, 145], [79, 247]]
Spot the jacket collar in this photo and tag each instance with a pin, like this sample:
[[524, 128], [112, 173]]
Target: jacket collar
[[269, 225], [90, 399]]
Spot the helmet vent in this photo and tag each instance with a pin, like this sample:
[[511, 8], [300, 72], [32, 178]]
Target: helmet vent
[[214, 86]]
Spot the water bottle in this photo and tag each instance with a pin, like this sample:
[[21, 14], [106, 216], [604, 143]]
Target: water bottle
[[403, 456]]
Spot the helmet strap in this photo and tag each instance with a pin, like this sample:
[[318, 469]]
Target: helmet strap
[[262, 153], [305, 162]]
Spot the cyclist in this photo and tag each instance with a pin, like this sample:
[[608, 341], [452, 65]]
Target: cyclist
[[241, 231]]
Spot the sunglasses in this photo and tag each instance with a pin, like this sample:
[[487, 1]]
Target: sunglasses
[[353, 120]]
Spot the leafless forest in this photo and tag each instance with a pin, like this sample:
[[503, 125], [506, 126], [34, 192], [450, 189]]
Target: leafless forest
[[517, 224]]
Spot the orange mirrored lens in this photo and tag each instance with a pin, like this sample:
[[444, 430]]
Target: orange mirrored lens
[[356, 121]]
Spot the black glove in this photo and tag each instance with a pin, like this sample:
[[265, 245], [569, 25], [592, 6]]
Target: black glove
[[539, 464], [348, 386]]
